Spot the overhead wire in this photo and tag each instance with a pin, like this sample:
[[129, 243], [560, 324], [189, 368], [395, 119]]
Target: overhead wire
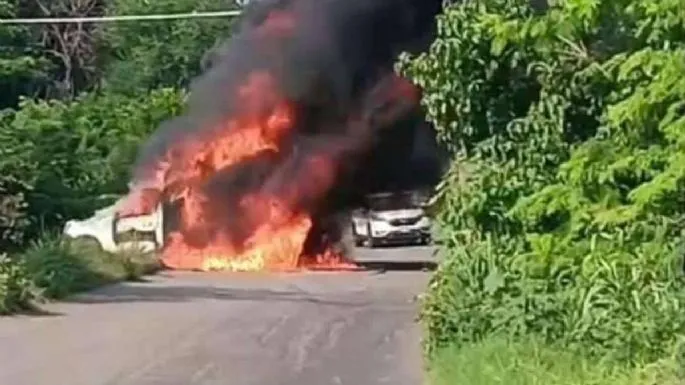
[[123, 18]]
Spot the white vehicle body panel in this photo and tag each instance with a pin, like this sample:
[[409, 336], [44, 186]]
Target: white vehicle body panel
[[109, 230], [360, 223], [410, 223]]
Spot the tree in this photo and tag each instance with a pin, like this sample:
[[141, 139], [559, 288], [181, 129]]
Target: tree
[[23, 68], [59, 158], [150, 54], [71, 46], [562, 215]]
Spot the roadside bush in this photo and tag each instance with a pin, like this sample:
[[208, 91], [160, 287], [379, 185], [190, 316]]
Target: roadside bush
[[62, 267], [53, 268], [17, 292], [60, 160], [562, 215]]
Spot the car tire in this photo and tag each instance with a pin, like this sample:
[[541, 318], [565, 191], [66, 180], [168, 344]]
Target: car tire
[[371, 243], [87, 242]]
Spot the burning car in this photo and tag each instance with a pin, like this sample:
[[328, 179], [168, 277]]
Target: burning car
[[113, 233], [285, 132], [392, 218]]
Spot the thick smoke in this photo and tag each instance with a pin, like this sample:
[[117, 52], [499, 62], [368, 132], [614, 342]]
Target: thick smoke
[[357, 126]]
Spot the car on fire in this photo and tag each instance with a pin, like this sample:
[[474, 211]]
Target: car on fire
[[392, 218], [112, 233]]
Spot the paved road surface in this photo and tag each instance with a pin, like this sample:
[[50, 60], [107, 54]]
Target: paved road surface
[[229, 329]]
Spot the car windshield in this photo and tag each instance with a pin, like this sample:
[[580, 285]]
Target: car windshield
[[393, 201]]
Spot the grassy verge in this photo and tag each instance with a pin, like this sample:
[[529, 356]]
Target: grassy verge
[[500, 362], [17, 291], [53, 268]]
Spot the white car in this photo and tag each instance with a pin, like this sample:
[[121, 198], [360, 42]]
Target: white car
[[114, 234], [392, 218]]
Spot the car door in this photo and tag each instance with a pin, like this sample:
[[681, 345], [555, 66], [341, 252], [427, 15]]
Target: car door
[[360, 221], [139, 232]]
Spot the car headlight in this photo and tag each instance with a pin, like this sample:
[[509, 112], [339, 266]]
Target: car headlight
[[379, 227]]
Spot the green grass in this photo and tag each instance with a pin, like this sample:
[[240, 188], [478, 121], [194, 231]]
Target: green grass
[[17, 291], [53, 268], [498, 362]]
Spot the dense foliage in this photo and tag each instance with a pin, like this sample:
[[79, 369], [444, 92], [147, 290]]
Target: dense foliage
[[77, 101], [498, 361], [17, 291], [58, 159], [63, 60], [562, 214], [61, 160], [155, 54]]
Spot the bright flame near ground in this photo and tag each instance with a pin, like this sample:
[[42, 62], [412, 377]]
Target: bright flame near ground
[[275, 245], [277, 240]]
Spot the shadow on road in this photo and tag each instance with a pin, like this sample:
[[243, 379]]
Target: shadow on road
[[149, 291], [144, 293], [35, 310], [398, 265]]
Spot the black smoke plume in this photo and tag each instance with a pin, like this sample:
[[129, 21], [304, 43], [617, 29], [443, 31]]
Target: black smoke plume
[[333, 61]]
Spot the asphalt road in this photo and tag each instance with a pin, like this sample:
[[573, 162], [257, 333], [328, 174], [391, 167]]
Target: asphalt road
[[352, 328]]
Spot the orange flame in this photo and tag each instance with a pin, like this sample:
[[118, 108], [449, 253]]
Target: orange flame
[[263, 119], [261, 122], [275, 245]]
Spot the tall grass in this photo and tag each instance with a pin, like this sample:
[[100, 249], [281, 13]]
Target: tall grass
[[17, 290], [501, 362], [62, 267], [53, 268]]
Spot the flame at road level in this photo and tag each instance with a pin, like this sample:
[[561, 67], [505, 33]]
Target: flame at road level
[[275, 245]]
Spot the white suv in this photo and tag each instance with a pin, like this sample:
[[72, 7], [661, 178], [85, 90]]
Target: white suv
[[392, 218]]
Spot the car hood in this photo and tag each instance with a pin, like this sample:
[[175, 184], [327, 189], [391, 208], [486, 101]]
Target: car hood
[[398, 214]]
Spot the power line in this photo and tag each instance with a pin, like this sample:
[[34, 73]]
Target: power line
[[108, 19]]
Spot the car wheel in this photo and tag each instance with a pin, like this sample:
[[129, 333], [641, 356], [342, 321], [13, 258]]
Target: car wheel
[[87, 243], [371, 242]]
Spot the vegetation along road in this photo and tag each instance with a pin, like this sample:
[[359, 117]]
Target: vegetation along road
[[561, 218], [185, 328]]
